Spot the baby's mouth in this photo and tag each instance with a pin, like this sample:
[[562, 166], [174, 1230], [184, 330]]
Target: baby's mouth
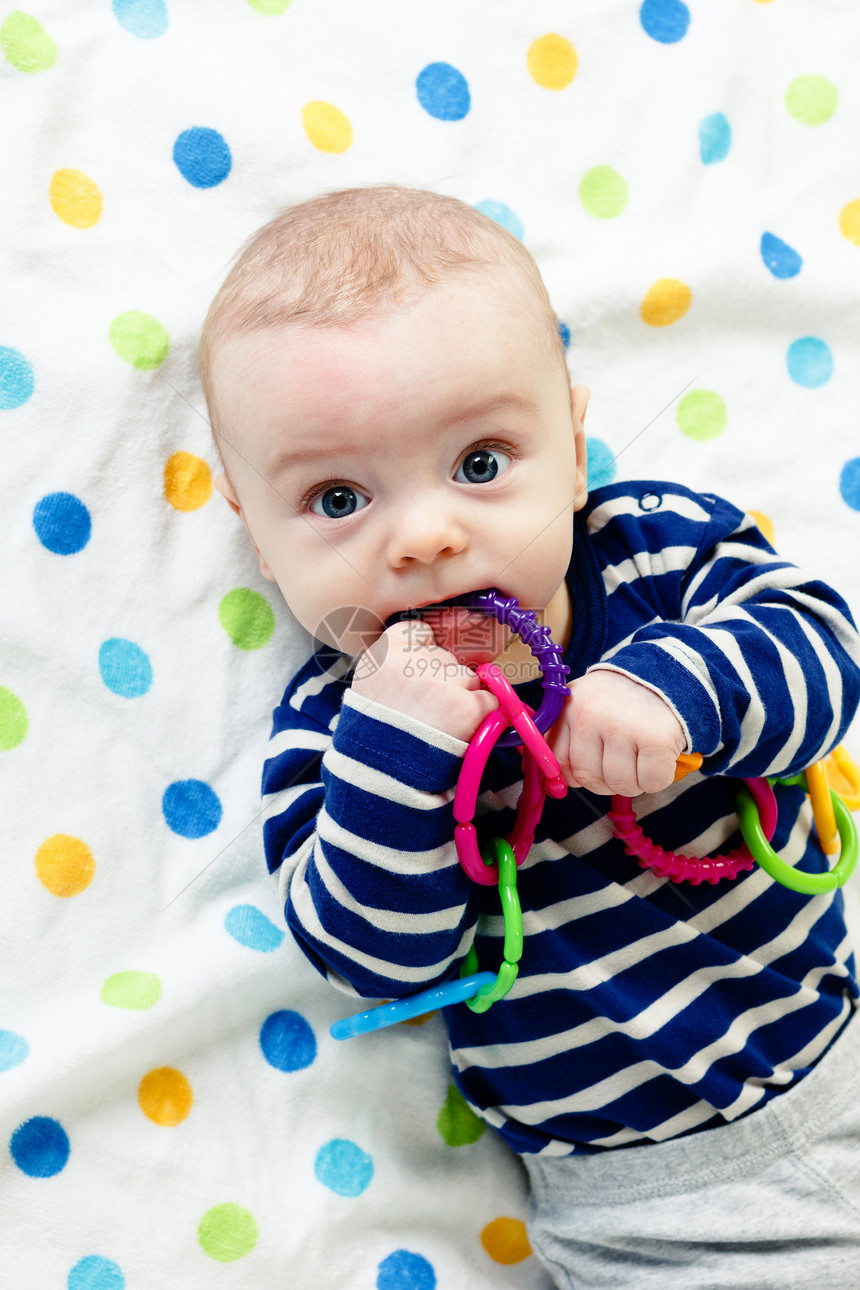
[[424, 611], [472, 635]]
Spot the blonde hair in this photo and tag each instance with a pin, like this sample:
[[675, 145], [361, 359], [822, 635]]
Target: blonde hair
[[333, 260]]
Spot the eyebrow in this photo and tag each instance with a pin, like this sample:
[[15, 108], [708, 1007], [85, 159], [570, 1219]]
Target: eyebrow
[[498, 403], [307, 454], [303, 455]]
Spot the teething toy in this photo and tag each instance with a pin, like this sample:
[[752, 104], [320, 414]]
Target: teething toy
[[548, 655], [541, 775], [514, 722]]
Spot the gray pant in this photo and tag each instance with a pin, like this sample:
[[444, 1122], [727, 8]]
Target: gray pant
[[771, 1202]]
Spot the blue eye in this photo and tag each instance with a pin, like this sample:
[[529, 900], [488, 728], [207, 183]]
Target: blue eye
[[481, 466], [338, 502]]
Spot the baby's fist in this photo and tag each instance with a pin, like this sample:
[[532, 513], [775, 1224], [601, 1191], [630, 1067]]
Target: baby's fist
[[406, 670], [616, 736]]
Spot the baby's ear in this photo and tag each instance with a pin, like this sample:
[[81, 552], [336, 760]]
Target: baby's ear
[[228, 492], [579, 396], [225, 488]]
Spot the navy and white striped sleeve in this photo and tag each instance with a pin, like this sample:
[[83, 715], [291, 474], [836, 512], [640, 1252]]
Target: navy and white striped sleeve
[[760, 662], [358, 824]]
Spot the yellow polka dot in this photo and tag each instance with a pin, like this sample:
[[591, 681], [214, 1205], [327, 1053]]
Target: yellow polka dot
[[762, 1], [505, 1240], [64, 865], [849, 221], [667, 301], [765, 523], [165, 1096], [76, 198], [552, 61], [187, 481], [326, 126]]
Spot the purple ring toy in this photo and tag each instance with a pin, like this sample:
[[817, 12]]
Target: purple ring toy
[[544, 649]]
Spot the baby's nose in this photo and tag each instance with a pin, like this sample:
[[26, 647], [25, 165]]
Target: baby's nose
[[428, 532]]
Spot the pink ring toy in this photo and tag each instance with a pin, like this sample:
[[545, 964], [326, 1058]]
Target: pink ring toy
[[541, 775], [692, 869]]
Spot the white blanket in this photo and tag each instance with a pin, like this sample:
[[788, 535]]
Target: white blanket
[[173, 1111]]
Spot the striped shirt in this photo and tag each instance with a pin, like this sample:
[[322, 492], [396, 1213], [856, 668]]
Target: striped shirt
[[643, 1009]]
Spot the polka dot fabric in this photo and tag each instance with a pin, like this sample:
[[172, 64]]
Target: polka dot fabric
[[172, 1108]]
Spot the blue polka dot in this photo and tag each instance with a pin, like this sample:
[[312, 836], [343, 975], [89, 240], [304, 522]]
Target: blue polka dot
[[125, 668], [715, 138], [601, 463], [564, 333], [202, 157], [143, 18], [343, 1167], [14, 1049], [191, 808], [16, 379], [251, 928], [782, 260], [40, 1147], [849, 483], [810, 362], [287, 1041], [443, 92], [62, 523], [503, 215], [403, 1270], [95, 1273], [665, 20]]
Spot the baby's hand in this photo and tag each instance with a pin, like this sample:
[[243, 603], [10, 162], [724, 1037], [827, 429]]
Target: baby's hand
[[406, 670], [616, 736]]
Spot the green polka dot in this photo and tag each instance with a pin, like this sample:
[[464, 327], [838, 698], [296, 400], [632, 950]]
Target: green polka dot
[[247, 618], [603, 192], [702, 415], [26, 44], [13, 720], [457, 1123], [811, 99], [227, 1232], [270, 8], [139, 339], [134, 990]]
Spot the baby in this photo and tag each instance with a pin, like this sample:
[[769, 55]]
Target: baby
[[390, 398]]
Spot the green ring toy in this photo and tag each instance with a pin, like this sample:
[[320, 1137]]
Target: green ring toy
[[808, 884], [498, 851]]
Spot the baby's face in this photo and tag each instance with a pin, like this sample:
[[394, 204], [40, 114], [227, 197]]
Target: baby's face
[[415, 456]]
